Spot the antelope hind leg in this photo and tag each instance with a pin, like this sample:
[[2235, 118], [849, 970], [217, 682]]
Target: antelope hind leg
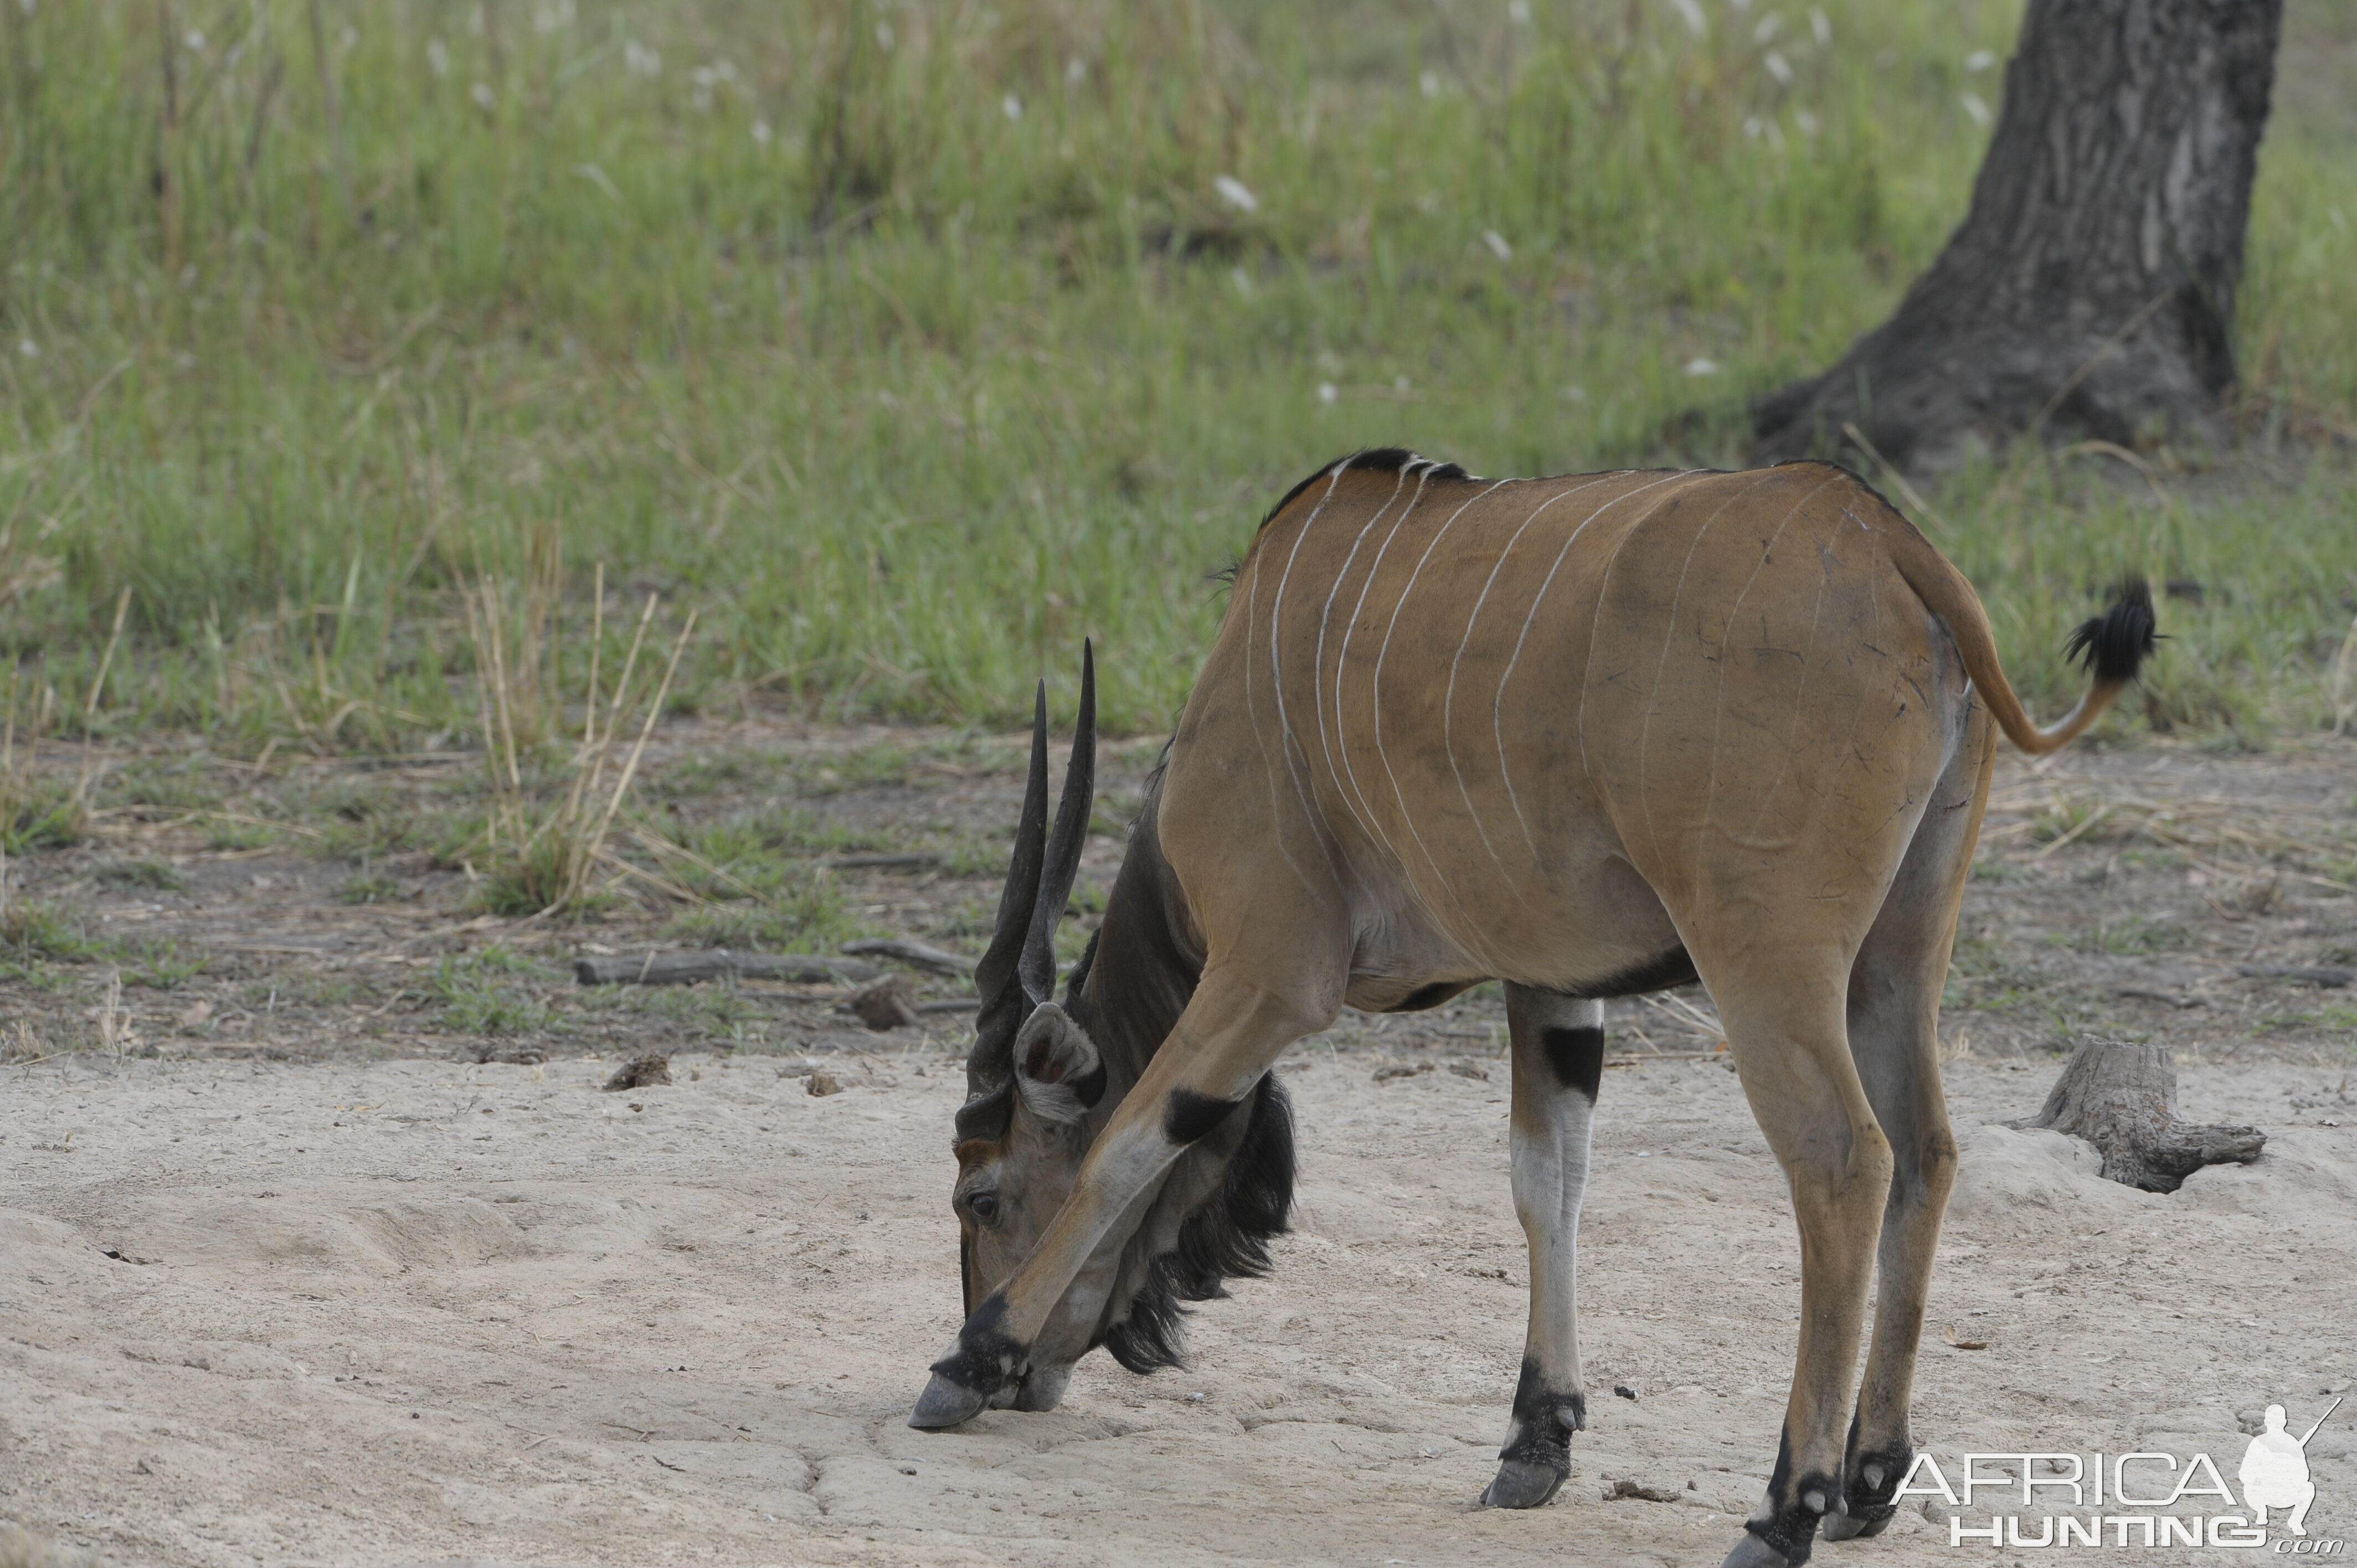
[[1558, 1052], [1894, 1015], [1215, 1056], [1785, 1027]]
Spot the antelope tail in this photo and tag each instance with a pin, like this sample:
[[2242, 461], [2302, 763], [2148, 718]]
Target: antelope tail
[[2113, 645]]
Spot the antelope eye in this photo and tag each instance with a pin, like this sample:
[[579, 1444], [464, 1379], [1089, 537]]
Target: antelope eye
[[984, 1206]]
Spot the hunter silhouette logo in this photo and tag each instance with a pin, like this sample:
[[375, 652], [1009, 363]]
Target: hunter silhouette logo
[[2275, 1471], [2127, 1496]]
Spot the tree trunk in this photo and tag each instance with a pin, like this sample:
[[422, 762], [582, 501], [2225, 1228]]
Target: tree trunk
[[2122, 1098], [2091, 287]]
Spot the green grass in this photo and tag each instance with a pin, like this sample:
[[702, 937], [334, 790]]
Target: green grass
[[2133, 933], [481, 994], [368, 888], [908, 345], [126, 875]]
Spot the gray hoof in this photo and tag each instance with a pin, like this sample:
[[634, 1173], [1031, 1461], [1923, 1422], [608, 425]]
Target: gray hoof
[[1043, 1388], [1520, 1485], [945, 1404], [1753, 1553], [1843, 1527]]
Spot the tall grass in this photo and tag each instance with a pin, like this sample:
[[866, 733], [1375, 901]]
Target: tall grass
[[907, 343]]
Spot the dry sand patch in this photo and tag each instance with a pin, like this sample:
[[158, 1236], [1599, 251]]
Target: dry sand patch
[[415, 1310]]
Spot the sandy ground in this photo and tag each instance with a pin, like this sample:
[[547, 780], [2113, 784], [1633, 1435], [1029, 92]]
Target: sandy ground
[[412, 1311]]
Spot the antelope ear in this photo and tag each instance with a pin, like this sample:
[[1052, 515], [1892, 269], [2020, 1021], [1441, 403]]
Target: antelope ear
[[1057, 1069]]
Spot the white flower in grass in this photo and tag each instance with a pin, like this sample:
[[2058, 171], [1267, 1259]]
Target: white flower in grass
[[1819, 28], [1767, 29], [1076, 71], [1702, 367], [1976, 109], [1980, 59], [1690, 13], [1778, 67], [1497, 243], [1430, 83], [1242, 280], [29, 348], [1012, 107], [437, 57], [483, 95], [762, 131], [196, 40], [1327, 393], [640, 60], [1518, 12], [1236, 194], [884, 37], [1805, 120]]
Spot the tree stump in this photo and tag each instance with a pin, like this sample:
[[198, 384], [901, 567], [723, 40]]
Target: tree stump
[[2122, 1098], [889, 1003], [641, 1072], [2090, 290]]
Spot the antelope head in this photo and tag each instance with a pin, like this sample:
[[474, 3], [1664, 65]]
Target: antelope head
[[1034, 1077]]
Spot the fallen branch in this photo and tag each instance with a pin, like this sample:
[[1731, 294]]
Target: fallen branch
[[2333, 977], [912, 952], [2154, 993], [687, 967]]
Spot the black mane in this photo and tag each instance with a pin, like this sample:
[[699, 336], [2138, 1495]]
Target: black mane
[[1371, 459], [1228, 1237], [1127, 990]]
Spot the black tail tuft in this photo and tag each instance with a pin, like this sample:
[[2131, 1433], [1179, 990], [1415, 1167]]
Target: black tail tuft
[[2116, 644]]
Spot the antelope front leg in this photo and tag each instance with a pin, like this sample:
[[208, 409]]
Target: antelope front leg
[[1222, 1045], [1558, 1044]]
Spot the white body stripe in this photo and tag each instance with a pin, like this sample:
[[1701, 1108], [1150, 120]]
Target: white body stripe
[[1498, 703], [1448, 697]]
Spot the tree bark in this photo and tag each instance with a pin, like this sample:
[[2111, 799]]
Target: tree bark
[[2122, 1098], [2090, 289]]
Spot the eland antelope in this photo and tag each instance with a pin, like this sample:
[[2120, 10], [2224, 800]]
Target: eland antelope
[[1588, 737]]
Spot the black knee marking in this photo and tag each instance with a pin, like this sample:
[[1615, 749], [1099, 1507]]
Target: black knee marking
[[1873, 1479], [986, 1357], [1189, 1116], [1544, 1418], [1800, 1506], [1575, 1057]]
